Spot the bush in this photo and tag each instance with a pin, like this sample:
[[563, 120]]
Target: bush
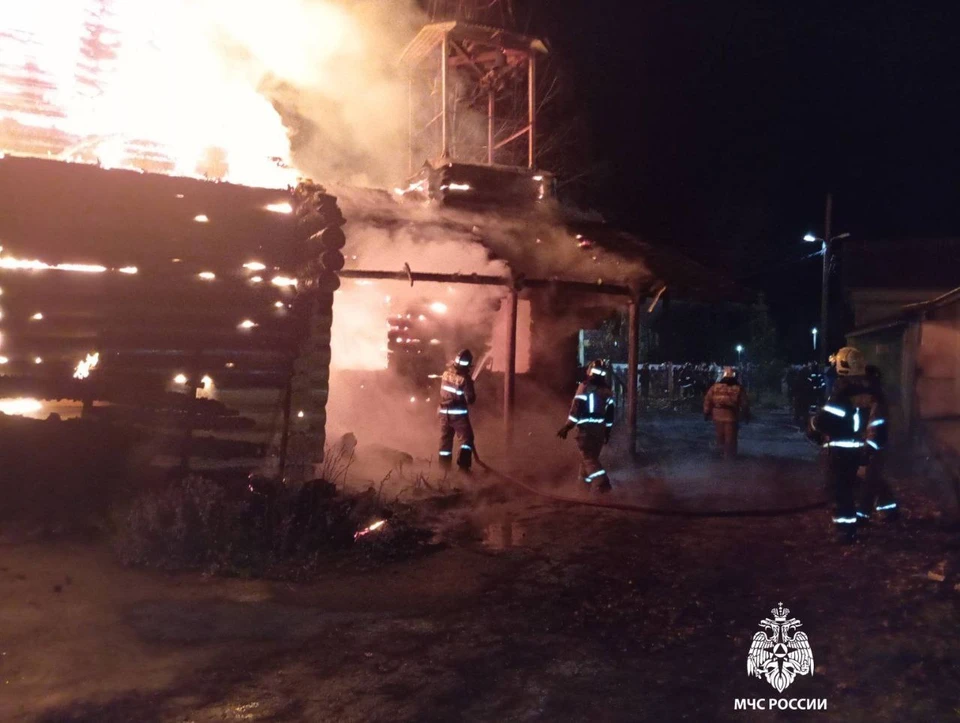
[[190, 524], [259, 527]]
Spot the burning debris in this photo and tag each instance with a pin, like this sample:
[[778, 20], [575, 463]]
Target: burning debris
[[369, 528], [86, 365]]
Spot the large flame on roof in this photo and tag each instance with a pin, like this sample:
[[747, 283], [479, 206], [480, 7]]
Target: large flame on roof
[[170, 87]]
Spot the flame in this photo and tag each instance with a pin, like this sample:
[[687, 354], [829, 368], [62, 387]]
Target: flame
[[84, 366], [279, 207], [201, 218], [20, 405], [130, 87], [4, 360], [180, 379], [11, 263], [207, 275], [370, 528], [438, 307], [283, 281], [247, 324], [254, 266], [37, 317]]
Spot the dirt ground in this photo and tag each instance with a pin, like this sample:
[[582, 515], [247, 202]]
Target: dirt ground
[[525, 609]]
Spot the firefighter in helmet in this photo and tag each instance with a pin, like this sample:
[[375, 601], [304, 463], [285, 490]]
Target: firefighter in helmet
[[727, 405], [456, 394], [592, 413], [851, 425]]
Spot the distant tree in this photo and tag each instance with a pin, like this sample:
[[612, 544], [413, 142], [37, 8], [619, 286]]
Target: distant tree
[[763, 349]]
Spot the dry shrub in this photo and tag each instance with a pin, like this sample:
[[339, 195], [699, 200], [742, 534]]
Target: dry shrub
[[258, 528]]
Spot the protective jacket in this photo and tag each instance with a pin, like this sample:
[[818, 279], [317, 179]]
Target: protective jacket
[[727, 401], [593, 409], [456, 392], [854, 417]]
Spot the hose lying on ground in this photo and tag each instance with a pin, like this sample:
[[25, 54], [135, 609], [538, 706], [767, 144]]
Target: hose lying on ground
[[630, 507]]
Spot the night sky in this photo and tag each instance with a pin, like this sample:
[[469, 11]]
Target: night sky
[[718, 126]]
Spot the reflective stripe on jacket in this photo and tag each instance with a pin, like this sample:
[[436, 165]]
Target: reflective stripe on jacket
[[593, 407], [456, 392]]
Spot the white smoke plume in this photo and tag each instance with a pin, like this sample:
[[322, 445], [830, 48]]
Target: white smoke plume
[[330, 69]]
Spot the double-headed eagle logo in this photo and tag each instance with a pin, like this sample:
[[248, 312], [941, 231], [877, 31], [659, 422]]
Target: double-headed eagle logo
[[779, 652]]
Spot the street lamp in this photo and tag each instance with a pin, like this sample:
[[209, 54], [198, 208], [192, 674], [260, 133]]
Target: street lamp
[[814, 332], [825, 280], [739, 352]]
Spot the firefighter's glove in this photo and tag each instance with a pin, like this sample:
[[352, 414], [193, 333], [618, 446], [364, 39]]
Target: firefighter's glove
[[563, 432]]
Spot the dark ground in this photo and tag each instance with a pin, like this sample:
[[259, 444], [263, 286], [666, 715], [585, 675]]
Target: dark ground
[[531, 610]]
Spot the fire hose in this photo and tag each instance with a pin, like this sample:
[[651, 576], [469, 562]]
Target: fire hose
[[627, 506], [631, 507]]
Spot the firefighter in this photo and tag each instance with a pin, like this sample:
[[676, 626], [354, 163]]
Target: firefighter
[[876, 493], [456, 394], [726, 403], [848, 425], [592, 413]]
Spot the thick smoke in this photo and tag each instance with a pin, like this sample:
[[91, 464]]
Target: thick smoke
[[330, 68]]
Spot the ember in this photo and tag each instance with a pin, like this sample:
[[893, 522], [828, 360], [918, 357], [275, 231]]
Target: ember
[[367, 530]]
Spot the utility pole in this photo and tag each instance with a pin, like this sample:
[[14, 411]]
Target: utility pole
[[824, 328]]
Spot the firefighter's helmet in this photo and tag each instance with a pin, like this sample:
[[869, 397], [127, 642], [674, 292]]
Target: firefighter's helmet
[[598, 369], [463, 360], [850, 362]]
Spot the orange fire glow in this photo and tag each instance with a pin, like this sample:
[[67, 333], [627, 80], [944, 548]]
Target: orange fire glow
[[131, 87], [20, 405], [370, 528], [85, 366]]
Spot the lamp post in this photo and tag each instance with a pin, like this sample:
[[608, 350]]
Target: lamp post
[[825, 280], [813, 332], [739, 352]]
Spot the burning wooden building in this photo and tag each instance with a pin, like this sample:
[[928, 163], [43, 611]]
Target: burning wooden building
[[185, 304]]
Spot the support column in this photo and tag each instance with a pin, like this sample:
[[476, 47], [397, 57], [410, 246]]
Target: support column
[[532, 110], [510, 371], [444, 130], [491, 106], [633, 341]]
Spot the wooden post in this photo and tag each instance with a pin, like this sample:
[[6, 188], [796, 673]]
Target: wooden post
[[444, 130], [193, 380], [510, 373], [633, 341], [532, 110], [285, 432], [410, 138], [490, 128]]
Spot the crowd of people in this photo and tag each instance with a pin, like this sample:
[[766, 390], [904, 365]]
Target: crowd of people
[[685, 380]]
